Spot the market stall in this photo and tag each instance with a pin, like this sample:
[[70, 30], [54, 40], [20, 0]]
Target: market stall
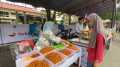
[[30, 53]]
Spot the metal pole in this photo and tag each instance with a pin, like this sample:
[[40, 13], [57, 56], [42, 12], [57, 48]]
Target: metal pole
[[114, 13], [69, 19], [1, 35], [25, 18]]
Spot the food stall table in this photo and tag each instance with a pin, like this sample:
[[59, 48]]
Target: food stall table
[[66, 63]]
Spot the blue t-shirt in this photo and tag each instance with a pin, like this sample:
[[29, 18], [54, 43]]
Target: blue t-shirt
[[61, 27], [33, 29]]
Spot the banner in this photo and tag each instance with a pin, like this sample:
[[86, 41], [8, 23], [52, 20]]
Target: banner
[[14, 32]]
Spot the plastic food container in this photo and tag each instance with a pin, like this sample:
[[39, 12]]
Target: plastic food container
[[31, 55], [39, 62], [56, 57], [67, 52], [46, 50], [73, 47]]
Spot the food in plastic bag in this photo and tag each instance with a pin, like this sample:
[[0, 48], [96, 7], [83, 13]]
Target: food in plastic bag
[[46, 50], [66, 52], [73, 47], [55, 57], [42, 42], [39, 63], [58, 46]]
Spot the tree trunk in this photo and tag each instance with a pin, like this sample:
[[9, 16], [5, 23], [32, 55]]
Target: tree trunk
[[54, 16], [48, 14]]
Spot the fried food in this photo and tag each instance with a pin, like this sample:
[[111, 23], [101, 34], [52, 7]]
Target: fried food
[[54, 57], [46, 50], [66, 52], [73, 47], [39, 63]]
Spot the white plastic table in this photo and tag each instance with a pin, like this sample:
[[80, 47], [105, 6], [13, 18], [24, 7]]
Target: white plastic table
[[69, 61]]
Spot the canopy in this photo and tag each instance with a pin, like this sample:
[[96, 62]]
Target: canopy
[[77, 7]]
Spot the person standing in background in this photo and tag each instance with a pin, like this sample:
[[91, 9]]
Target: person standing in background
[[77, 28], [97, 41], [61, 29], [79, 25]]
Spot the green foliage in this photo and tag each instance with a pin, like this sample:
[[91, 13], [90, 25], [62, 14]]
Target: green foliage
[[106, 15], [118, 16]]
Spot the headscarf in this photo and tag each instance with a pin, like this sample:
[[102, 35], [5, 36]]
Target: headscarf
[[98, 27]]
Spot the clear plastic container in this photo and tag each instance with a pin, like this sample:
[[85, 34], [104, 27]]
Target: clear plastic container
[[55, 57], [73, 47], [39, 62], [68, 52], [46, 50], [31, 55]]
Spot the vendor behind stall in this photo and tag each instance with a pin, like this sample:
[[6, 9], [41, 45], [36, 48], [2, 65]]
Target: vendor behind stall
[[79, 25]]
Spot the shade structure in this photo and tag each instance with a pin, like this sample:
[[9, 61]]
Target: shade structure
[[77, 7]]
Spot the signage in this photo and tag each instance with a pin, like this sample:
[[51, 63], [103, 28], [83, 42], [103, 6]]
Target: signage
[[14, 32]]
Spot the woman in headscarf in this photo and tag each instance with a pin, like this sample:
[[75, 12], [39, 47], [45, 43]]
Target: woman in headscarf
[[97, 41]]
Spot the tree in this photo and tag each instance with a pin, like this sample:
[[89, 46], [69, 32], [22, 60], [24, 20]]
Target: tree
[[106, 15], [48, 14]]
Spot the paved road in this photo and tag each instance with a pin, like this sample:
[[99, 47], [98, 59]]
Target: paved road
[[112, 58]]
